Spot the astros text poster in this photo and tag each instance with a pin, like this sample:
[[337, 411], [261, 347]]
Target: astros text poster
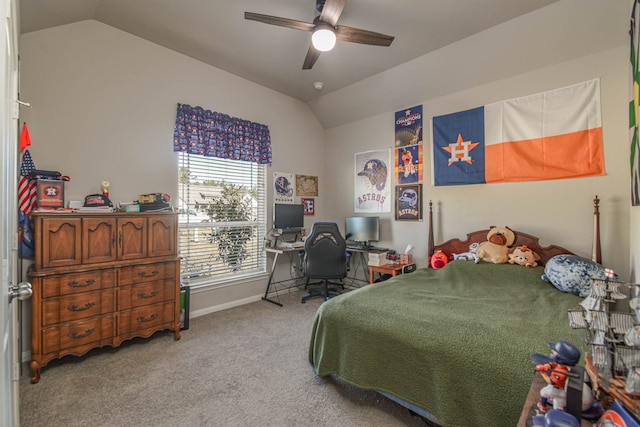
[[409, 202], [372, 181]]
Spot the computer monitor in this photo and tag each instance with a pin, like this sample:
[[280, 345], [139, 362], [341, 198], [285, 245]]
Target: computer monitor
[[288, 218], [362, 229]]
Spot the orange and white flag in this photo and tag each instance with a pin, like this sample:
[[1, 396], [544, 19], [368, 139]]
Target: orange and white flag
[[550, 135]]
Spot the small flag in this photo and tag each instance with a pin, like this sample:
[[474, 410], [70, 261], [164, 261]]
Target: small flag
[[26, 186], [609, 273], [26, 203], [26, 247], [25, 140]]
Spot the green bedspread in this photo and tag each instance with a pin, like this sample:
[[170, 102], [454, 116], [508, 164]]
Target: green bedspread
[[454, 341]]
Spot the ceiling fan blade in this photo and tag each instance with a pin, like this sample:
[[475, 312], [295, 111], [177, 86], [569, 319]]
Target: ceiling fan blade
[[356, 35], [312, 56], [282, 22], [331, 11]]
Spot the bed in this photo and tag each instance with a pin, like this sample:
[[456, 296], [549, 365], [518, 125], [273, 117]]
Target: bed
[[452, 344]]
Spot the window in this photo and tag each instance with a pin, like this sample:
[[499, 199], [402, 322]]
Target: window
[[222, 219]]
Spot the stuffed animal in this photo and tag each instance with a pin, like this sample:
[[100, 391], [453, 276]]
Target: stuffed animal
[[438, 260], [496, 248], [468, 256], [522, 255], [573, 274]]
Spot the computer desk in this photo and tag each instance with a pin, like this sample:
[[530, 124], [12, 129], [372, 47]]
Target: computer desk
[[362, 261], [360, 258], [276, 252]]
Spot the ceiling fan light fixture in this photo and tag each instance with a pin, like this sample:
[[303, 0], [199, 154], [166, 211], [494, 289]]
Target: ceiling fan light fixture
[[323, 37]]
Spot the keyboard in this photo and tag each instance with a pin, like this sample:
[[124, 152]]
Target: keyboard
[[358, 246], [293, 245]]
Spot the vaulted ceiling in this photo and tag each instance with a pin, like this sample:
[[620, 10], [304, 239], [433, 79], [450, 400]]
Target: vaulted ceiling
[[216, 32]]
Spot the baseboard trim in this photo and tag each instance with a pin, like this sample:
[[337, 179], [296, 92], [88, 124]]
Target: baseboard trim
[[225, 306], [231, 304]]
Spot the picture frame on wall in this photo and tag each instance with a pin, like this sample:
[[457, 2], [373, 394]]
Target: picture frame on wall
[[372, 181], [409, 202], [283, 185], [309, 205], [306, 185]]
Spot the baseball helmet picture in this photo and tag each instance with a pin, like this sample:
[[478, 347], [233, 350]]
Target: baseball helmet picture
[[408, 198], [283, 186], [376, 171]]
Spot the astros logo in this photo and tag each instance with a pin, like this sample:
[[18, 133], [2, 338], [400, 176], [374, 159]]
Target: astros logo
[[460, 150]]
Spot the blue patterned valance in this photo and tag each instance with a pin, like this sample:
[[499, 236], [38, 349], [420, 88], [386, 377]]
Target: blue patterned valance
[[204, 132]]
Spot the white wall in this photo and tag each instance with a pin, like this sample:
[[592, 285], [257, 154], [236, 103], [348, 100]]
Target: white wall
[[560, 211], [104, 106]]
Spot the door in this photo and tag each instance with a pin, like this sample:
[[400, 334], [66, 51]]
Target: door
[[9, 360], [162, 234], [99, 239], [132, 237]]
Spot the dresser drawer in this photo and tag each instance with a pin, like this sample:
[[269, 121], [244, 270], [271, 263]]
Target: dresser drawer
[[67, 284], [148, 316], [76, 307], [145, 294], [76, 334], [131, 275]]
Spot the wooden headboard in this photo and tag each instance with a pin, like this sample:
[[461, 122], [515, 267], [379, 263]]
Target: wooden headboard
[[456, 246]]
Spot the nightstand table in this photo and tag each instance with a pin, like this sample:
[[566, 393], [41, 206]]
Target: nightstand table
[[392, 269]]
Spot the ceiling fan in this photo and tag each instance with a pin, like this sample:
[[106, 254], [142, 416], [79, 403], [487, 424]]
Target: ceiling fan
[[324, 25]]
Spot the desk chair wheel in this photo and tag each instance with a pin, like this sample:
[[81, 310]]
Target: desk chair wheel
[[322, 291]]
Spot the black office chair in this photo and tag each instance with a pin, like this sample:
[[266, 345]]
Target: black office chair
[[325, 259]]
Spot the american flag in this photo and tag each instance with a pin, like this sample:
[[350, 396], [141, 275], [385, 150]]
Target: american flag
[[26, 186]]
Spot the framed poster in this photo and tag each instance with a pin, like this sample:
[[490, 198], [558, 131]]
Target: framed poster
[[408, 164], [372, 193], [409, 202], [409, 126], [309, 206], [50, 193], [306, 186], [283, 187]]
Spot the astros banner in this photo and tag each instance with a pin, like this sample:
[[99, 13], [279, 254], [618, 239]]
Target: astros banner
[[551, 135]]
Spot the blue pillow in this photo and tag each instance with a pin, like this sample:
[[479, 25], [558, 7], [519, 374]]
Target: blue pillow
[[572, 274]]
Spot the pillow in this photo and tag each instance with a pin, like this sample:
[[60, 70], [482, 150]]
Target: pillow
[[572, 274]]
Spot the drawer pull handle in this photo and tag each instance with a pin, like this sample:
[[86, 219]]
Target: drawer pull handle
[[87, 306], [75, 335], [148, 319], [144, 273], [142, 295], [75, 284]]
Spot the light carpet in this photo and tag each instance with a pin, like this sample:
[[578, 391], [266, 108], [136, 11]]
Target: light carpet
[[245, 366]]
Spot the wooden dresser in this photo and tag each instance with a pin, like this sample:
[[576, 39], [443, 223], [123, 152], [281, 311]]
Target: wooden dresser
[[100, 279]]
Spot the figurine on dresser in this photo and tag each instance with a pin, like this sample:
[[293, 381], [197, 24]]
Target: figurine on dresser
[[555, 370]]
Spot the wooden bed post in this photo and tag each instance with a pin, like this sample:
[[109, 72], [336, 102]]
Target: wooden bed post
[[596, 255], [430, 243]]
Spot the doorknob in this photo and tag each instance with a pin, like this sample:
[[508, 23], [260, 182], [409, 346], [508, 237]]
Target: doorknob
[[22, 291]]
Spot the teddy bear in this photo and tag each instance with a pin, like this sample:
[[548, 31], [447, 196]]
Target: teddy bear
[[522, 255], [496, 248]]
